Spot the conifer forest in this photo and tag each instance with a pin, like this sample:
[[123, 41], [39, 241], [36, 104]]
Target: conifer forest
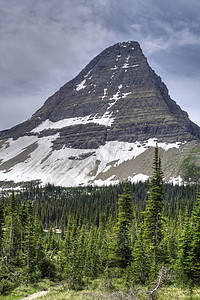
[[141, 234]]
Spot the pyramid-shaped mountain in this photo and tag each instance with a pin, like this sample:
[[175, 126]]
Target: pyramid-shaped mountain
[[101, 127]]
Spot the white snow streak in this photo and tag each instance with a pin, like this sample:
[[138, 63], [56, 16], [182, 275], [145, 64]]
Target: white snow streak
[[104, 94], [88, 74], [124, 95], [126, 66], [115, 97], [118, 56], [115, 68], [105, 120], [81, 85]]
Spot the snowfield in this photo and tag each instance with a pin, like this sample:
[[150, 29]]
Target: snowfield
[[31, 158]]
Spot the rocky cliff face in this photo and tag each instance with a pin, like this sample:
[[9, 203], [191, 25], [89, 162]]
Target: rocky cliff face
[[110, 114]]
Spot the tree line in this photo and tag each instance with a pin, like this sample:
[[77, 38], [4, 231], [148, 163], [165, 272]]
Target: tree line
[[138, 233]]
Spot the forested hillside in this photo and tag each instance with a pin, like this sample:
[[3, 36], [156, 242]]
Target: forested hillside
[[141, 234]]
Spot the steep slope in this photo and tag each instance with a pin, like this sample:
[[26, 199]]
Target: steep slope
[[101, 126]]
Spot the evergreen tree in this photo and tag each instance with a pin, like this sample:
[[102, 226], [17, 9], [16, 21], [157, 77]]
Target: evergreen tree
[[13, 230], [23, 223], [73, 262], [81, 249], [195, 246], [39, 248], [172, 240], [30, 238], [184, 266], [70, 257], [188, 263], [103, 243], [141, 261], [51, 243], [92, 259], [1, 228], [122, 244], [153, 217]]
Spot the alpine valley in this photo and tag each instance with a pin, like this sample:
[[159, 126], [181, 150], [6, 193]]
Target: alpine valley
[[101, 128]]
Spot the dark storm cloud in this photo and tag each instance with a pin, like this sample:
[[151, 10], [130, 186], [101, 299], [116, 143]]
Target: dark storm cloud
[[46, 43]]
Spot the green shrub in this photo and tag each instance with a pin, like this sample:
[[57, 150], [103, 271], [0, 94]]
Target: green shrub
[[6, 287]]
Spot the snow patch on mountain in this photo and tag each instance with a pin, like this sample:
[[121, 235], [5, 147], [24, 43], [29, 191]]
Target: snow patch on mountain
[[115, 97], [111, 180], [127, 58], [176, 180], [138, 177], [68, 166], [126, 65], [12, 148], [114, 68], [124, 95], [104, 94], [117, 58], [105, 120], [81, 85]]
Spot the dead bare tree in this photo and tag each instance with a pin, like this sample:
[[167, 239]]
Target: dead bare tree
[[162, 275]]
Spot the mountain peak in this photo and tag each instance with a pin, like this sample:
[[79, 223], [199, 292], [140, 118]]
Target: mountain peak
[[116, 102], [117, 83]]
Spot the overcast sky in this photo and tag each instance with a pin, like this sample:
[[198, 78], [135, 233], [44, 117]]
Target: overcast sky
[[46, 43]]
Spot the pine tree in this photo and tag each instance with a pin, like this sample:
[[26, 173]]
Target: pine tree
[[141, 261], [39, 247], [23, 223], [195, 246], [70, 256], [122, 245], [30, 238], [103, 244], [1, 228], [51, 243], [73, 261], [188, 263], [14, 230], [183, 265], [81, 249], [153, 220], [92, 259]]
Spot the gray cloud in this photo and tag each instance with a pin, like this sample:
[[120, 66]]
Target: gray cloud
[[46, 43]]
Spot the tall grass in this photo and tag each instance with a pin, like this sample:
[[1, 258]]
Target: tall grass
[[97, 289]]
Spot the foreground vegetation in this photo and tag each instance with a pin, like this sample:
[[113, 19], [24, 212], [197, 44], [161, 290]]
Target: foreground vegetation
[[98, 289], [126, 241]]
